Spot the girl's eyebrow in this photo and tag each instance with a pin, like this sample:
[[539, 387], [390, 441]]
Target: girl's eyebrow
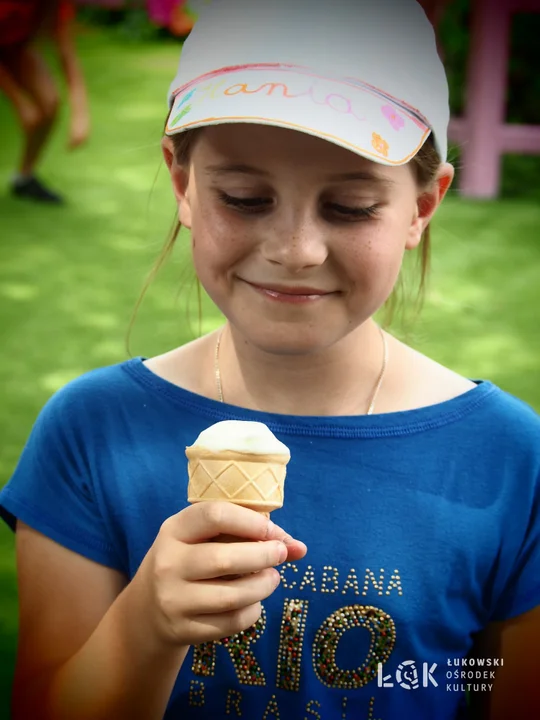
[[234, 168], [240, 168], [364, 175]]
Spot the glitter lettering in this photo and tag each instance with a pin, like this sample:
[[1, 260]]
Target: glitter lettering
[[371, 708], [394, 582], [196, 693], [370, 577], [245, 664], [351, 582], [311, 710], [272, 710], [284, 582], [383, 634], [234, 697], [293, 627], [326, 579], [308, 579]]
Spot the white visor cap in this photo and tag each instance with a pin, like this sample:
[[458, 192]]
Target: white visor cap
[[363, 74]]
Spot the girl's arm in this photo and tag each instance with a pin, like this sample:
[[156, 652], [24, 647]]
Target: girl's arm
[[95, 647], [84, 648], [516, 687]]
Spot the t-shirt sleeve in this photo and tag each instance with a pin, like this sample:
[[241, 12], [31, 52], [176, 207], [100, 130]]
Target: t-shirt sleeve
[[52, 488], [521, 590]]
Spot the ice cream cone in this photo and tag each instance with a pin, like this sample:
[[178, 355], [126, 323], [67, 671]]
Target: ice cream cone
[[253, 480], [239, 462]]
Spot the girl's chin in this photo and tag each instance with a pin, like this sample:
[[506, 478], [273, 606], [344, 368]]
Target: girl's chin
[[289, 341]]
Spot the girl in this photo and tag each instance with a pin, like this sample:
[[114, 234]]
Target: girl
[[306, 144]]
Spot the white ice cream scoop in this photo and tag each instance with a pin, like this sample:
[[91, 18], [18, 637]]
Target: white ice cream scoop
[[240, 462], [241, 436]]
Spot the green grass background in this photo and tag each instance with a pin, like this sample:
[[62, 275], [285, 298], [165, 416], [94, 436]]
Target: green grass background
[[69, 277]]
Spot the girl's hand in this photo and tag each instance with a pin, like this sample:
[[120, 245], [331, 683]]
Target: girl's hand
[[187, 597], [79, 129]]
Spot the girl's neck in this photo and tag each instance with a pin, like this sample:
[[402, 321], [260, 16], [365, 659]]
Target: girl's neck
[[337, 381]]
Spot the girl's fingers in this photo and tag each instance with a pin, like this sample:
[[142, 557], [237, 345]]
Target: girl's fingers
[[209, 627], [296, 550], [206, 520], [215, 560], [216, 597]]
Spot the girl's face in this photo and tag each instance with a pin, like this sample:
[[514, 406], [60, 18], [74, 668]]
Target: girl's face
[[296, 240]]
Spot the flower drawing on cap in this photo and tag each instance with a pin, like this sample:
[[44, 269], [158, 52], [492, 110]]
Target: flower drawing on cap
[[380, 145], [396, 121]]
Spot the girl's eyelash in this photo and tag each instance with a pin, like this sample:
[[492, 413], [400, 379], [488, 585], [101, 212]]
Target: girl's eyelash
[[362, 212], [258, 204], [247, 204]]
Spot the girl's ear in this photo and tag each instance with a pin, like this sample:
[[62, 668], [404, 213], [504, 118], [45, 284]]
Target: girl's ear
[[427, 204], [180, 181]]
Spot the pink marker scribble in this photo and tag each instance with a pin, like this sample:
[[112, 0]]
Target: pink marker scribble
[[396, 121]]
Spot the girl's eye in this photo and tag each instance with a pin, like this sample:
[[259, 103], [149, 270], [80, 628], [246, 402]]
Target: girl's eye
[[260, 204], [248, 205], [352, 214]]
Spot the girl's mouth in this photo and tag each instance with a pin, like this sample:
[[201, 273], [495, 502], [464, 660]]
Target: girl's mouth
[[291, 294]]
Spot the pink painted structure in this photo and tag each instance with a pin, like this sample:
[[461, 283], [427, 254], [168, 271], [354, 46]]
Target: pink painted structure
[[483, 133]]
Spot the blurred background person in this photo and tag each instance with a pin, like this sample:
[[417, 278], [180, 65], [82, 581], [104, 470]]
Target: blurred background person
[[178, 16], [29, 85]]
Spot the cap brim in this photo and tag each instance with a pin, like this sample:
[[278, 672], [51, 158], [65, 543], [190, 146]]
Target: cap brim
[[345, 111]]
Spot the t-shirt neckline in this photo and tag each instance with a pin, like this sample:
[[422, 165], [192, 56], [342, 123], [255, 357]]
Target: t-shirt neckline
[[377, 425]]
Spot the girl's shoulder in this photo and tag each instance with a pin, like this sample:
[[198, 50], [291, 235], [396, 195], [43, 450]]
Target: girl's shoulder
[[421, 383], [416, 381], [93, 400], [189, 366]]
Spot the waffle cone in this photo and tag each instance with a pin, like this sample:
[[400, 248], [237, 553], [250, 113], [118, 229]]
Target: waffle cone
[[251, 480]]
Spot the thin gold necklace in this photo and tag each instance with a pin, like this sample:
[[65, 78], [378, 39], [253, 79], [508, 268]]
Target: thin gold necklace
[[375, 391]]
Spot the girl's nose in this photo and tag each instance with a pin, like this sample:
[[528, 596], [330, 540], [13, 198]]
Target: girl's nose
[[296, 246]]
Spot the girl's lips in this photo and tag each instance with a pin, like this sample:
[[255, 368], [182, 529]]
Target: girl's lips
[[295, 295]]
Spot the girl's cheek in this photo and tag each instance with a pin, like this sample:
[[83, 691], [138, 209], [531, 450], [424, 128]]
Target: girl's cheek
[[221, 250]]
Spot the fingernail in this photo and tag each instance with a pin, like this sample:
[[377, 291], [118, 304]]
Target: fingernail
[[283, 552]]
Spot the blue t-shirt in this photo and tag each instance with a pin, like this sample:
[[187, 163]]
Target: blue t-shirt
[[422, 527]]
